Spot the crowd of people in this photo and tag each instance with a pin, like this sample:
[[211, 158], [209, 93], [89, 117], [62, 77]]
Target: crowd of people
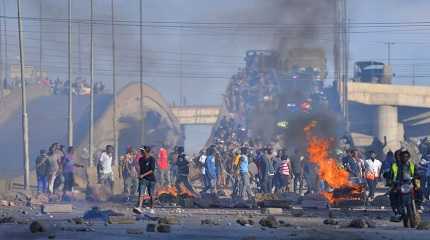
[[55, 169]]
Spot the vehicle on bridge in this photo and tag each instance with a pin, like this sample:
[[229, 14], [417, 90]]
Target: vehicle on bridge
[[372, 72]]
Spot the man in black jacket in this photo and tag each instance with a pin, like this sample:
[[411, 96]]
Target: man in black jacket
[[146, 178], [183, 171]]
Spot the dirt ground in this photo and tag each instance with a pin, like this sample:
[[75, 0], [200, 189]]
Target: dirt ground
[[297, 223]]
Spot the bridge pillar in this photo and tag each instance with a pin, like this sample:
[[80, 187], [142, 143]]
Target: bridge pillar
[[387, 125]]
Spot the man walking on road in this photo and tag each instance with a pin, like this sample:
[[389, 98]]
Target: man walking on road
[[146, 179], [42, 167], [183, 171], [105, 164], [372, 172]]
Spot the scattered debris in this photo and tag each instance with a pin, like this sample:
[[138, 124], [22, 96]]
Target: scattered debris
[[121, 220], [298, 213], [242, 221], [57, 208], [163, 228], [424, 225], [146, 217], [150, 227], [330, 221], [95, 213], [78, 220], [7, 220], [362, 223], [135, 231], [39, 226], [272, 211], [282, 223], [269, 221], [168, 220], [207, 222], [249, 238], [78, 229]]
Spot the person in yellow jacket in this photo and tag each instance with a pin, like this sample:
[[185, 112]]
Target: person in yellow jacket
[[401, 169]]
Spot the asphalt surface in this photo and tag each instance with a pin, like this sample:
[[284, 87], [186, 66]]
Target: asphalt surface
[[308, 225]]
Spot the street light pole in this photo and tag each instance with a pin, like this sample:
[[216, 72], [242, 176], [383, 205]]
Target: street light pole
[[69, 72], [142, 111], [389, 44], [115, 133], [91, 133], [23, 102], [6, 64], [40, 39]]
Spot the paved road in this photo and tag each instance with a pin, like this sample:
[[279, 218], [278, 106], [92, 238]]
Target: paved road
[[309, 226], [48, 124]]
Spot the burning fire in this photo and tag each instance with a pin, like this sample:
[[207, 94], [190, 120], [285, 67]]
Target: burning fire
[[328, 169], [171, 190]]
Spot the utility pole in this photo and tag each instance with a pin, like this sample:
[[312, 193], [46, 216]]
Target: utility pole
[[142, 111], [181, 73], [115, 130], [23, 102], [6, 63], [346, 28], [91, 133], [79, 51], [69, 73], [389, 44], [2, 68], [40, 39]]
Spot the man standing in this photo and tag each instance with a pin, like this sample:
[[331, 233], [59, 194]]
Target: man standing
[[42, 167], [245, 187], [183, 171], [129, 172], [297, 169], [372, 171], [146, 178], [267, 170], [105, 164], [69, 170], [163, 167], [53, 167], [210, 172]]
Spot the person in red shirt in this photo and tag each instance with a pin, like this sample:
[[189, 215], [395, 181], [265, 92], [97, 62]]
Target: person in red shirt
[[163, 166]]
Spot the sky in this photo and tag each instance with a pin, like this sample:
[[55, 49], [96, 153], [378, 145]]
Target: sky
[[180, 52]]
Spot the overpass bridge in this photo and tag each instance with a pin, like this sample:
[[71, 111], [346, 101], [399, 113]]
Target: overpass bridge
[[196, 115], [392, 106]]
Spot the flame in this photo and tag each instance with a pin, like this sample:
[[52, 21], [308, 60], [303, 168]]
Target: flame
[[328, 169], [171, 190]]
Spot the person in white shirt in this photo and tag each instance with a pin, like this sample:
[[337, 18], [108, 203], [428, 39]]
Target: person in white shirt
[[202, 161], [105, 167], [372, 173]]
